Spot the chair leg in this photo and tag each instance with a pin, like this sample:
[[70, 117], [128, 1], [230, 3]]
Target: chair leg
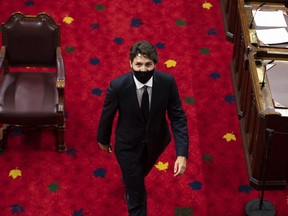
[[3, 137], [60, 139], [2, 142]]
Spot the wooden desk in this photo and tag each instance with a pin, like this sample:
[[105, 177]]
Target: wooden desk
[[256, 110], [229, 10]]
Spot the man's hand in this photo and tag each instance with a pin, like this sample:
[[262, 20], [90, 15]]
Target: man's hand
[[180, 166], [106, 148]]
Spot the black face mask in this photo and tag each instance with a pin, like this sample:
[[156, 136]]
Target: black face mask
[[143, 77]]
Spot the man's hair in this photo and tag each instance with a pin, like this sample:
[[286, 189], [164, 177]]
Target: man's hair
[[144, 48]]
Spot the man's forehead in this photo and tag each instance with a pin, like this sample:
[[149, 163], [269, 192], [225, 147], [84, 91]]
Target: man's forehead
[[141, 58]]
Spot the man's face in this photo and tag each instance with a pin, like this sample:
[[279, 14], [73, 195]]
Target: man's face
[[141, 63]]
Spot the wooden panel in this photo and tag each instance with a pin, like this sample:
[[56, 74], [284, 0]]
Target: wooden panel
[[229, 11]]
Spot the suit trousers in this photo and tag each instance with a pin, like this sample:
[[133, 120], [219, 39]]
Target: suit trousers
[[134, 180]]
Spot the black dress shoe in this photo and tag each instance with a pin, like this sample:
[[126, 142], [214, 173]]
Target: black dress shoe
[[126, 197]]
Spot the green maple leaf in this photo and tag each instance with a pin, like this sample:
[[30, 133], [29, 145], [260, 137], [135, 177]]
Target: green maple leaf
[[53, 187], [204, 50], [207, 158], [189, 100], [69, 49], [180, 22], [99, 7], [183, 212]]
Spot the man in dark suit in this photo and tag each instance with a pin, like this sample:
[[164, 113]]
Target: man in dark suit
[[143, 134]]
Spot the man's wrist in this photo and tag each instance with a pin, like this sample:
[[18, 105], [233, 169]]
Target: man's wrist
[[104, 144], [181, 156]]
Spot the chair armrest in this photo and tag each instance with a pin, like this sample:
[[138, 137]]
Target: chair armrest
[[60, 82], [60, 69], [2, 56]]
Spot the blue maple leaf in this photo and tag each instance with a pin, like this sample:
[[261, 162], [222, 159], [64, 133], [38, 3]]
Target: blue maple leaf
[[212, 32], [94, 61], [215, 75], [99, 172], [160, 45], [196, 185], [230, 98], [245, 188], [78, 212], [157, 1], [16, 208], [72, 152], [118, 40], [29, 3], [94, 26], [96, 91], [136, 22]]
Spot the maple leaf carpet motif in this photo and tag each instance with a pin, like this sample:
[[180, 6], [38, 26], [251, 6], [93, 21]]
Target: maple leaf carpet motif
[[35, 180]]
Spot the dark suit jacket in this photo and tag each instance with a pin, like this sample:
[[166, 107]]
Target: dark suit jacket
[[131, 130]]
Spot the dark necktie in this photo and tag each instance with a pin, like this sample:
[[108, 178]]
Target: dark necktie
[[145, 103]]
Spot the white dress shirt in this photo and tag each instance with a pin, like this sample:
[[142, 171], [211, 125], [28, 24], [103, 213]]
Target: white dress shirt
[[140, 89]]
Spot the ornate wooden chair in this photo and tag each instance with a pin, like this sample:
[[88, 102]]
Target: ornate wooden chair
[[32, 76]]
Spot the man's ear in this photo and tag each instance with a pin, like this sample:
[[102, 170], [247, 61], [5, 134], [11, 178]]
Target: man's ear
[[131, 64]]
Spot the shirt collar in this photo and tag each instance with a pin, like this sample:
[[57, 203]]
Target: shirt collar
[[140, 85]]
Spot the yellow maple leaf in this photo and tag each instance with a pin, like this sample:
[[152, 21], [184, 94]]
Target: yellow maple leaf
[[14, 173], [68, 19], [162, 166], [229, 137], [207, 5], [170, 63]]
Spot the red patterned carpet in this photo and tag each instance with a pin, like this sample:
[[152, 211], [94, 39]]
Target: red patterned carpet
[[35, 180]]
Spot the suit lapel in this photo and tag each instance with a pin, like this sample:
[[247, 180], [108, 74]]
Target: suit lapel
[[155, 97]]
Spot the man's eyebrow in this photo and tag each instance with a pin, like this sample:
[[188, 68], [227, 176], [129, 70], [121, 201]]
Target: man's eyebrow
[[141, 63]]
